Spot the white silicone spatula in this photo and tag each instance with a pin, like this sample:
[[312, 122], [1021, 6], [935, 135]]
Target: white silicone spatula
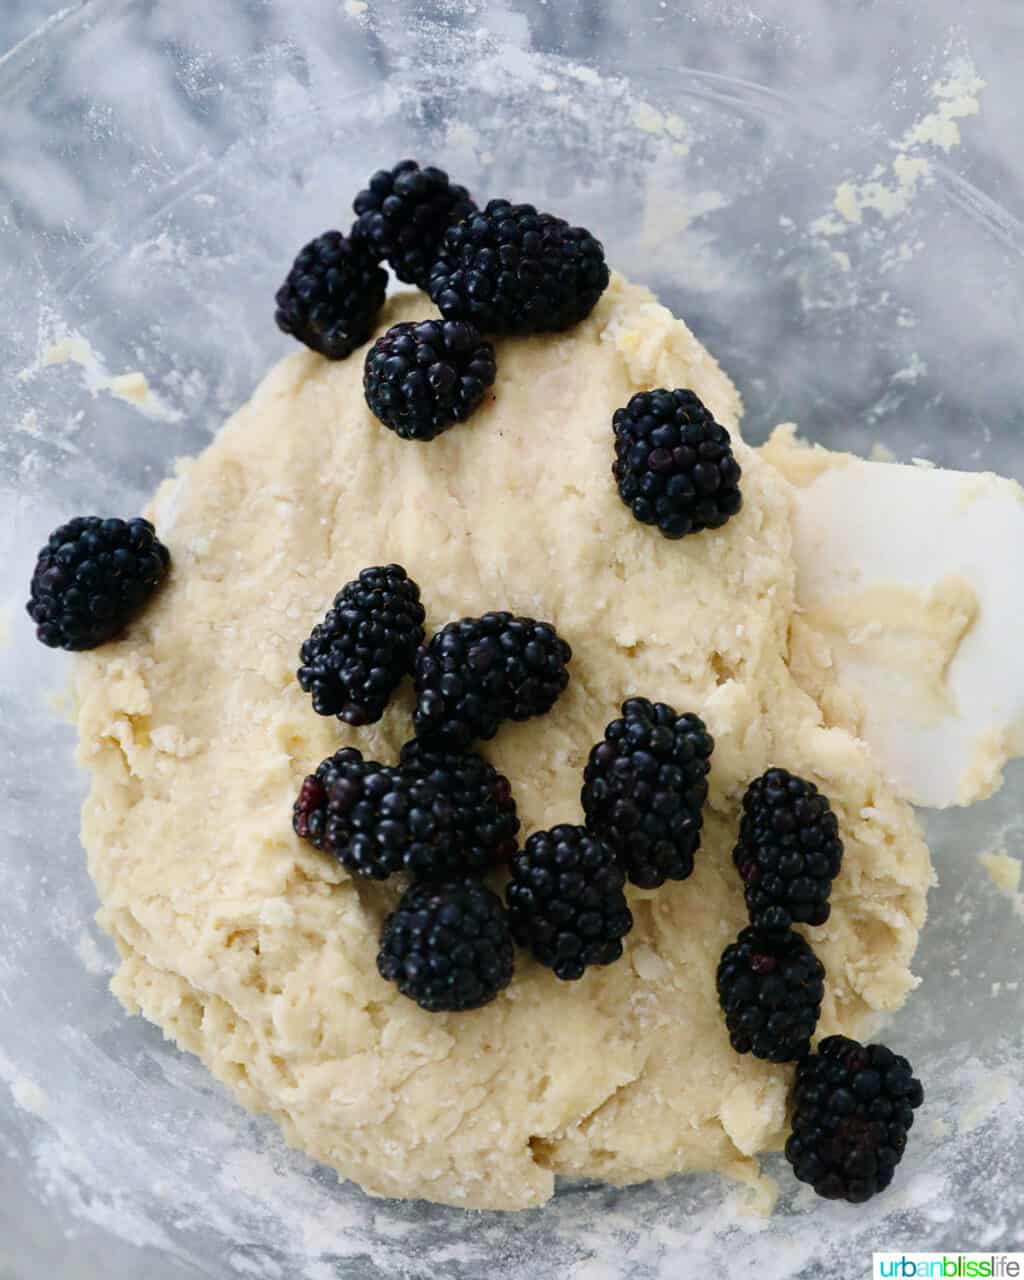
[[900, 563]]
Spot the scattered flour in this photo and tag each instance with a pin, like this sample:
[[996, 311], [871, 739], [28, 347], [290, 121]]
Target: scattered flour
[[958, 97], [651, 120], [993, 1090], [913, 371], [28, 1095], [888, 190], [59, 702], [92, 958], [25, 1092], [71, 347]]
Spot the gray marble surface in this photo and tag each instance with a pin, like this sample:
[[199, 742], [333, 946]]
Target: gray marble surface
[[21, 17]]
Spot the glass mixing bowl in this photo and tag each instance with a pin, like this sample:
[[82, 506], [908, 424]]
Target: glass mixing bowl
[[790, 178]]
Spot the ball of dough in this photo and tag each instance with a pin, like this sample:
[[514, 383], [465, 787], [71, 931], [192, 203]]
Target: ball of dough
[[257, 953]]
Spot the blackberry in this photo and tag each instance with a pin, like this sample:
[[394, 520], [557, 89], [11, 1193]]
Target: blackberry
[[332, 295], [431, 816], [92, 577], [644, 788], [447, 946], [565, 901], [510, 269], [789, 852], [674, 464], [770, 988], [421, 378], [482, 807], [853, 1106], [355, 809], [404, 213], [477, 672], [367, 642]]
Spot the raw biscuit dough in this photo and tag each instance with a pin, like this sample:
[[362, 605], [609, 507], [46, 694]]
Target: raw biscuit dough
[[256, 952]]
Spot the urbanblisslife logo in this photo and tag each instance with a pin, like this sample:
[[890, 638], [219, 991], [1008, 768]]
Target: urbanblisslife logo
[[948, 1266]]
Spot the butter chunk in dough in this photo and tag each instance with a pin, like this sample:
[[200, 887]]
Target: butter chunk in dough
[[258, 954]]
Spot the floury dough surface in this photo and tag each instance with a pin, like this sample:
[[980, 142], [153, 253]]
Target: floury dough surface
[[257, 953]]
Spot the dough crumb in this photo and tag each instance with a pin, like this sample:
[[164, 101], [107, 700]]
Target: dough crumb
[[1005, 873], [800, 461], [130, 386], [71, 347]]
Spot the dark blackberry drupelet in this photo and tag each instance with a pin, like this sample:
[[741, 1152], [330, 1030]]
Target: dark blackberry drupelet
[[644, 789], [479, 671], [509, 269], [404, 213], [332, 295], [447, 946], [770, 988], [92, 577], [420, 378], [853, 1106], [565, 901], [432, 816], [674, 464], [789, 852], [367, 642], [479, 798]]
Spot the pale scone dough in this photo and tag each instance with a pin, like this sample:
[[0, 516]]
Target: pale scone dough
[[990, 752], [257, 953]]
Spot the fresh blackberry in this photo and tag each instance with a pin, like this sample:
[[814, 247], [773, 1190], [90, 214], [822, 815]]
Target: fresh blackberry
[[92, 577], [367, 642], [432, 816], [477, 672], [674, 464], [404, 213], [853, 1106], [565, 901], [447, 946], [332, 295], [789, 852], [770, 988], [479, 798], [644, 789], [356, 810], [421, 378], [510, 269]]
